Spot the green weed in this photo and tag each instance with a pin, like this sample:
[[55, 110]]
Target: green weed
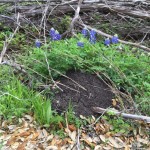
[[72, 119], [16, 99], [118, 124], [44, 113]]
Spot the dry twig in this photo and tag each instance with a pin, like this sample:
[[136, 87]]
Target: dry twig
[[8, 40], [76, 17]]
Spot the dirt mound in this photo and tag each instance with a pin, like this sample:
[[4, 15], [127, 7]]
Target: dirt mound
[[88, 91]]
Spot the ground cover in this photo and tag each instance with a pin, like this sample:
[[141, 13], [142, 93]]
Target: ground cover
[[112, 70]]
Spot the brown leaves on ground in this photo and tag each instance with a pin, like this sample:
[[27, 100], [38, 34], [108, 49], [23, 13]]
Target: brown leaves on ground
[[26, 135]]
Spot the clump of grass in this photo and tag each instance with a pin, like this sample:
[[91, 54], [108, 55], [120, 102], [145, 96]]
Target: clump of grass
[[16, 99], [44, 114]]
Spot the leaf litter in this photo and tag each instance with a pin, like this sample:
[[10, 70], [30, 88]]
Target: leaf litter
[[27, 135]]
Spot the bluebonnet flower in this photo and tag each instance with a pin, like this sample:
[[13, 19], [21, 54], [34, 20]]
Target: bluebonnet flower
[[93, 32], [114, 39], [80, 44], [38, 43], [92, 37], [57, 36], [107, 42], [84, 32], [52, 33]]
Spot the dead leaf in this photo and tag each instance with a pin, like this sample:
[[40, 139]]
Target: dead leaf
[[127, 147], [11, 141], [2, 131], [15, 145], [24, 134], [82, 117], [51, 148], [35, 135], [115, 143], [72, 135], [60, 125], [12, 127], [144, 141], [4, 124], [107, 147], [103, 138], [29, 118], [98, 147], [89, 143], [96, 140], [44, 133], [114, 102], [100, 128], [25, 124], [53, 141], [72, 128], [22, 146], [108, 134], [40, 146], [50, 137]]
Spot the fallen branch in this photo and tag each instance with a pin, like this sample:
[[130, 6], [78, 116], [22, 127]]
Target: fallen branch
[[76, 17], [125, 115], [121, 41], [14, 65], [8, 40]]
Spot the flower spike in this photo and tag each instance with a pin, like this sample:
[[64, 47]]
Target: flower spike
[[114, 39], [107, 42], [84, 32], [80, 44], [37, 43]]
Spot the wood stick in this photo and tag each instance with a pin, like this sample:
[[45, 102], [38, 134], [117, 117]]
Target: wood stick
[[124, 115], [8, 41], [76, 17]]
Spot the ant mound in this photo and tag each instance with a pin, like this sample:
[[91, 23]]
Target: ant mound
[[83, 91]]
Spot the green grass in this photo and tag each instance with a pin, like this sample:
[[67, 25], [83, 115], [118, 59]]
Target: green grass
[[16, 99], [126, 68]]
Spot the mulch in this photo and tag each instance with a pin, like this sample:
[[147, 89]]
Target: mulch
[[83, 91]]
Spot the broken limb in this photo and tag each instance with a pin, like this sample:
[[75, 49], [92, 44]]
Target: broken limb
[[124, 115]]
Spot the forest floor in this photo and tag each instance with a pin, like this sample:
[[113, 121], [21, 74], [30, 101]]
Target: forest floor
[[25, 134]]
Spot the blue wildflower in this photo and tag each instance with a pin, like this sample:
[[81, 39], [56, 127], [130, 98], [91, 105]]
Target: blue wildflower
[[57, 36], [107, 42], [38, 43], [84, 32], [92, 37], [114, 39], [80, 44], [52, 33], [93, 32], [92, 40]]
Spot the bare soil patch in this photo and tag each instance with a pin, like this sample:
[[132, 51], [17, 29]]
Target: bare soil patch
[[97, 93]]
